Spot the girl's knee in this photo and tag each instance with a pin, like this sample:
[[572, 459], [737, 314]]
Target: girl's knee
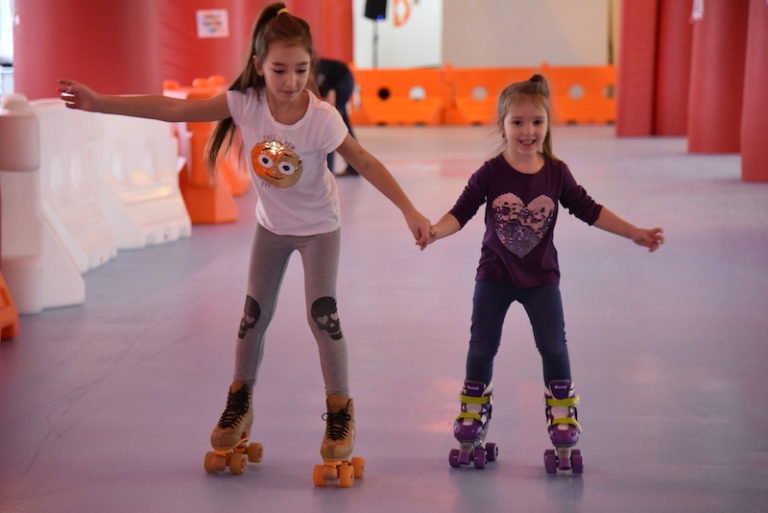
[[555, 348], [482, 349]]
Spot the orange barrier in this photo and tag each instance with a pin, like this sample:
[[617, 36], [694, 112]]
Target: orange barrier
[[228, 166], [400, 96], [233, 169], [206, 202], [468, 96], [9, 317], [583, 94], [475, 92]]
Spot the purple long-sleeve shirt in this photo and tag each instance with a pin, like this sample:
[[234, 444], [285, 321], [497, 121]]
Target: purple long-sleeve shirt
[[520, 215]]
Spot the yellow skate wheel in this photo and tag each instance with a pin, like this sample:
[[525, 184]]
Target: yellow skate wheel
[[317, 475], [346, 475], [214, 462], [237, 463], [255, 452], [358, 464]]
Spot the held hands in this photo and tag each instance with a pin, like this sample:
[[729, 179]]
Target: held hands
[[77, 96], [433, 235], [651, 238], [419, 226], [446, 226]]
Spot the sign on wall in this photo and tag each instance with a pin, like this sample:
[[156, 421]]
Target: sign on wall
[[212, 23]]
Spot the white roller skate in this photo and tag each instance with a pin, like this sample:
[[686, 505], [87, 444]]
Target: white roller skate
[[563, 427], [229, 438], [471, 427]]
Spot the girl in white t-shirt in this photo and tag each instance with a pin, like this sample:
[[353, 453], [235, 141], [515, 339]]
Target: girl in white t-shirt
[[287, 133]]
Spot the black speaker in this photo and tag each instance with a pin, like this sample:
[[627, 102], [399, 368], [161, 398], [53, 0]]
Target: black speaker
[[376, 9]]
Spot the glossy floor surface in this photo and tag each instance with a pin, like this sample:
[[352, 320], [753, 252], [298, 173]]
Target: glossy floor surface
[[108, 406]]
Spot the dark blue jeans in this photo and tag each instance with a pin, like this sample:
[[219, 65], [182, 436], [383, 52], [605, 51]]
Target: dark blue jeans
[[545, 311], [344, 90]]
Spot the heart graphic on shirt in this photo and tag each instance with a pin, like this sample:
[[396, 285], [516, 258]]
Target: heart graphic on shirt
[[521, 227]]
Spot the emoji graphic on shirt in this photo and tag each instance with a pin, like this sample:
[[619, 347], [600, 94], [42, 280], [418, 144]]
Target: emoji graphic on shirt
[[276, 164]]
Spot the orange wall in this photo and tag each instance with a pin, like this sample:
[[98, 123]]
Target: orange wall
[[717, 77], [754, 123], [331, 22], [131, 46], [111, 45]]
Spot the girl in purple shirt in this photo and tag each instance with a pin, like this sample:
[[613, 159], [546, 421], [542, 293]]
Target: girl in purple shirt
[[522, 189]]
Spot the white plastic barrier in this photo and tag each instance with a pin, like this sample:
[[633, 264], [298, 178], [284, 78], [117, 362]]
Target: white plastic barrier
[[69, 177], [102, 182], [139, 167], [39, 271]]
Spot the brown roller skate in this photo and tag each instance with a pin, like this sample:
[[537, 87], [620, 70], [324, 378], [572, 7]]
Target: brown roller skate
[[229, 438], [337, 445]]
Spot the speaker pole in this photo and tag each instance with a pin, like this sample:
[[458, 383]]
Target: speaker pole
[[375, 44], [376, 10]]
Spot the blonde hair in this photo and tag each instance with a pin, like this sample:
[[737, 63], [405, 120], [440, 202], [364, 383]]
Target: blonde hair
[[536, 91]]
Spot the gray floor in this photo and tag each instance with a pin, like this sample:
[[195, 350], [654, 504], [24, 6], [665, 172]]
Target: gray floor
[[108, 406]]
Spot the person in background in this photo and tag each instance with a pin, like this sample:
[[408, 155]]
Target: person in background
[[336, 85]]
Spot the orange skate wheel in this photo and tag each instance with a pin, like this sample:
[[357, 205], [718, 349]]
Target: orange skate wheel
[[318, 475], [330, 472], [358, 464], [214, 462], [346, 475], [255, 452], [237, 463]]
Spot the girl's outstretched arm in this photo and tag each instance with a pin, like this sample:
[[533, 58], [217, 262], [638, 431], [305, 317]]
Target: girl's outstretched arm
[[651, 238], [447, 225], [375, 172], [164, 108]]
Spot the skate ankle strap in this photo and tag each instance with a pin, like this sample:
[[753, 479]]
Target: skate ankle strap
[[468, 399], [469, 415], [566, 420], [570, 401]]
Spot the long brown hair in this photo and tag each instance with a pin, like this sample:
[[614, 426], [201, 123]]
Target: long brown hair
[[536, 91], [274, 24]]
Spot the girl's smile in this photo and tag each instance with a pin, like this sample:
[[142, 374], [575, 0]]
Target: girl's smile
[[525, 127]]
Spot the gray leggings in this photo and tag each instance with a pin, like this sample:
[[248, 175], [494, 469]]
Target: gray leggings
[[269, 259]]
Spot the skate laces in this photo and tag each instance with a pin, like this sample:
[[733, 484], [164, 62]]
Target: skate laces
[[337, 424], [237, 407]]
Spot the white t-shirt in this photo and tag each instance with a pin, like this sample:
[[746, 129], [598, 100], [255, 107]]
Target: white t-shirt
[[287, 163]]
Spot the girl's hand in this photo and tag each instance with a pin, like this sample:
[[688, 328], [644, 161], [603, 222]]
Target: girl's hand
[[446, 226], [651, 238], [419, 226], [430, 238], [77, 96], [433, 235]]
